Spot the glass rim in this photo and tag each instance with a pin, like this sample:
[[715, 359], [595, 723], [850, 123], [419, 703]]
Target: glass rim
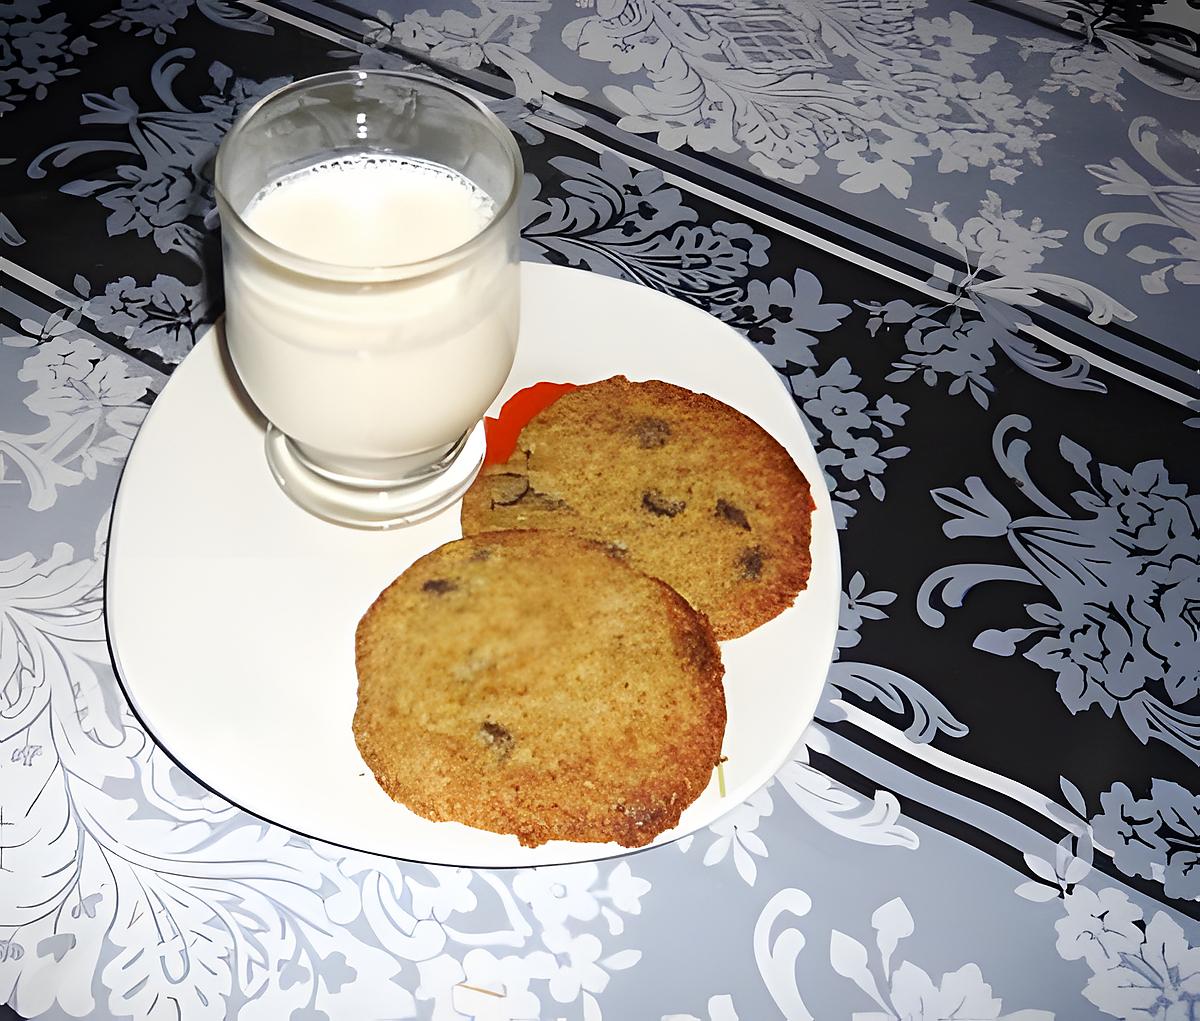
[[346, 271]]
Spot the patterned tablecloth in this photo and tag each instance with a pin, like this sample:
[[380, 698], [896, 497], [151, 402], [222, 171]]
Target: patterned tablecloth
[[966, 235]]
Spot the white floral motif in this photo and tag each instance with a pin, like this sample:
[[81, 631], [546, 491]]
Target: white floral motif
[[501, 34], [908, 992], [183, 887], [1155, 837], [51, 629], [73, 377], [776, 957], [847, 430], [164, 316], [35, 49], [963, 336], [735, 832], [960, 994], [577, 960], [613, 219], [165, 192], [1176, 199], [569, 966], [561, 894], [502, 981], [92, 405], [789, 83], [997, 242], [842, 810], [1078, 67], [1140, 969], [1159, 978], [1123, 576], [157, 18], [828, 803], [1103, 54], [52, 690], [1098, 927], [569, 894]]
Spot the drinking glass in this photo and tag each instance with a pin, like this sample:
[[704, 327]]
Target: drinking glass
[[373, 378]]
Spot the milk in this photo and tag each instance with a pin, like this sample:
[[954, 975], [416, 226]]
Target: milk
[[359, 356], [370, 211]]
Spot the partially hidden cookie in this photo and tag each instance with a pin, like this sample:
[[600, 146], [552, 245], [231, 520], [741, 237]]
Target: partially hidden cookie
[[678, 484], [529, 683]]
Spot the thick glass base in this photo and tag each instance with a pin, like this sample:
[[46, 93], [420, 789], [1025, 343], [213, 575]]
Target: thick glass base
[[372, 503]]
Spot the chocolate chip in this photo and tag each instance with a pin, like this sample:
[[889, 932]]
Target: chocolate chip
[[750, 561], [734, 515], [497, 738], [651, 432], [661, 506], [544, 501], [439, 586], [509, 488], [481, 554]]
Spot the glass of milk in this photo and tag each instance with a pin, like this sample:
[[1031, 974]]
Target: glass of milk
[[369, 225]]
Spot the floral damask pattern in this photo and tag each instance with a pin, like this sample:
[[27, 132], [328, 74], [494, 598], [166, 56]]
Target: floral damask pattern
[[907, 990], [158, 186], [1112, 41], [1000, 255], [1142, 965], [42, 604], [849, 430], [923, 715], [157, 18], [92, 408], [1139, 966], [36, 47], [1155, 837], [1174, 196], [499, 34], [981, 319], [164, 317], [789, 85], [1123, 632], [1077, 68], [166, 190], [627, 223]]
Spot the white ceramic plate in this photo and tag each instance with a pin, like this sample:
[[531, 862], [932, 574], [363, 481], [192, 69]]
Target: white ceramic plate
[[232, 612]]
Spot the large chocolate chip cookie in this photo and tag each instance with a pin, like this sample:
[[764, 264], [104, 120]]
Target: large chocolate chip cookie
[[529, 683], [676, 483]]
